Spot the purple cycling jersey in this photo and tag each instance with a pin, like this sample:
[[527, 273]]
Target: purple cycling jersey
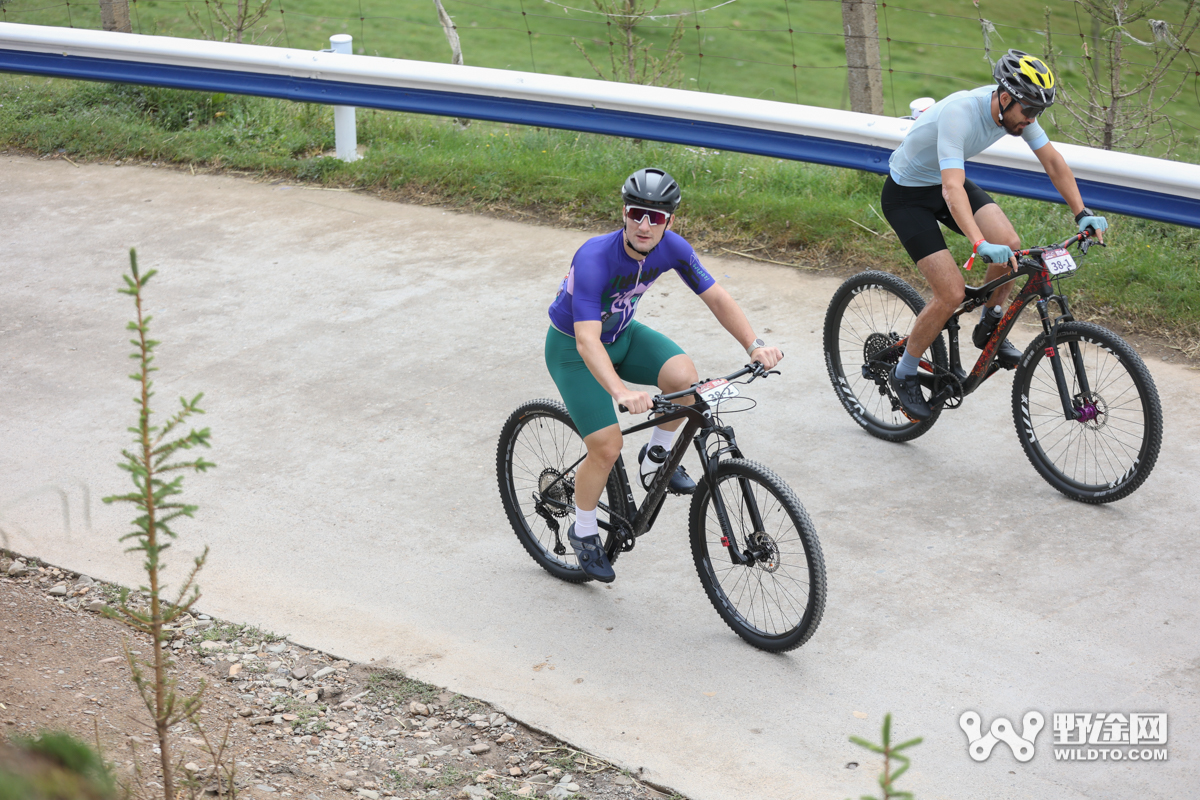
[[605, 284]]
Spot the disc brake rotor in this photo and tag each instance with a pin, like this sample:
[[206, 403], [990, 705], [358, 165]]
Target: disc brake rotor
[[1093, 411], [764, 550]]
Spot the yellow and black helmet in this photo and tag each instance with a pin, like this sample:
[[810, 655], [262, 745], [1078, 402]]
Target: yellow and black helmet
[[1026, 78]]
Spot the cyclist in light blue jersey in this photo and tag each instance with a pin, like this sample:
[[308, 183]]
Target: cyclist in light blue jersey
[[594, 345], [927, 184]]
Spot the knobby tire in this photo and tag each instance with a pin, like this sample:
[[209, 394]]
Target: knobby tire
[[538, 442], [775, 604]]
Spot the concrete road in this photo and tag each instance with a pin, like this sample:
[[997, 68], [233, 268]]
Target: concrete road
[[358, 359]]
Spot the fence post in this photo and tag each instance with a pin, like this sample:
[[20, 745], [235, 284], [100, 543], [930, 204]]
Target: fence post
[[114, 15], [863, 75], [345, 128]]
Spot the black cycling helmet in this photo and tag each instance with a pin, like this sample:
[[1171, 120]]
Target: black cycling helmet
[[651, 188], [1026, 78]]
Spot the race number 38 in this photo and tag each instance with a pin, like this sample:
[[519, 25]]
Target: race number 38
[[1058, 261]]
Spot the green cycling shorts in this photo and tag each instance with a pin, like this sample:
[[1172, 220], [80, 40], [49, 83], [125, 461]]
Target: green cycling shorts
[[638, 355]]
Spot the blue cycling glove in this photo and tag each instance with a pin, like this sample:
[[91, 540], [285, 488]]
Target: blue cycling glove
[[995, 253], [1100, 224]]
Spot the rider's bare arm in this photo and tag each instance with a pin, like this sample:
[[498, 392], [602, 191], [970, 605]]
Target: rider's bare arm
[[1062, 178], [732, 319], [955, 194], [587, 342]]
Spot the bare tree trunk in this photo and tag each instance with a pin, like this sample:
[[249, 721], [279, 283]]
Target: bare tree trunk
[[1110, 116], [451, 33], [456, 56], [114, 15], [864, 76]]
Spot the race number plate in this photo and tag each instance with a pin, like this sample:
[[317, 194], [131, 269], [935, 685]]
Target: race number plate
[[717, 390], [1058, 261]]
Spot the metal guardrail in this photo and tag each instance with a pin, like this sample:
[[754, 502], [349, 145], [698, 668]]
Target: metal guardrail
[[1139, 186]]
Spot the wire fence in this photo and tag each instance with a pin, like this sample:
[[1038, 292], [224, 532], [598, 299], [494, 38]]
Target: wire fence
[[787, 50]]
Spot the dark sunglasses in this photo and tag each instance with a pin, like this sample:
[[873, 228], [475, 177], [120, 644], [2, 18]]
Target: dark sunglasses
[[636, 214], [1030, 112]]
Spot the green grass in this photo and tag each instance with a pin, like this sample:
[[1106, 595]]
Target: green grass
[[395, 685], [233, 632], [929, 47], [816, 216]]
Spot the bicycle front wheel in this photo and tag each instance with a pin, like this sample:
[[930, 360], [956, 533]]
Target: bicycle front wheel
[[870, 312], [776, 601], [1107, 452], [535, 456]]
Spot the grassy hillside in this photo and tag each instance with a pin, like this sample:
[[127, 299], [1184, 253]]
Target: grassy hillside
[[929, 47]]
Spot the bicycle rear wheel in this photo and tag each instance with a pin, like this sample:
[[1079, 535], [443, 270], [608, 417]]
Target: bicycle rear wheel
[[1107, 453], [868, 313], [538, 446], [775, 603]]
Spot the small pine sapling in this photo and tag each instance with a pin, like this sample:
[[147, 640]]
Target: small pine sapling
[[891, 753], [154, 466]]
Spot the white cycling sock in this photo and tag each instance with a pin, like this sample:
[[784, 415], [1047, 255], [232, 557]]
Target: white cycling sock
[[662, 438], [658, 438], [585, 523]]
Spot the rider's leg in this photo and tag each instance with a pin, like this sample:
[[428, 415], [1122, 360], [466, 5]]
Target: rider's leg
[[944, 278], [654, 359], [603, 449], [677, 374], [997, 229]]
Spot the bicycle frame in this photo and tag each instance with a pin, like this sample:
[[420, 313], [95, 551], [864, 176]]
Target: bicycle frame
[[701, 425], [1038, 290]]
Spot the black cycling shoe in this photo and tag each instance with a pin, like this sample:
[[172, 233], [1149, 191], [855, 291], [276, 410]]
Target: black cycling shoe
[[591, 556], [1007, 354], [908, 392], [680, 483]]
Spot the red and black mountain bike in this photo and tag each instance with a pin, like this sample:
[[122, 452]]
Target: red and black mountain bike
[[1084, 405]]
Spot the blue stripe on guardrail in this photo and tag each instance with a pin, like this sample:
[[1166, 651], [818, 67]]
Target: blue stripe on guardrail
[[1021, 183]]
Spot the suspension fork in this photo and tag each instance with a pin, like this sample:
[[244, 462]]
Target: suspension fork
[[1085, 387], [728, 536], [1051, 329]]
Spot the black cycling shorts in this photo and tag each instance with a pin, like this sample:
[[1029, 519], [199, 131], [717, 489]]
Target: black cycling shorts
[[915, 211]]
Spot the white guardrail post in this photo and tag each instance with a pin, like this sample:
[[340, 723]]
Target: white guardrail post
[[345, 127]]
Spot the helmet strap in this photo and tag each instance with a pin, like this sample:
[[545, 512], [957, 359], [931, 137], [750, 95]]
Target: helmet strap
[[1004, 110], [629, 244]]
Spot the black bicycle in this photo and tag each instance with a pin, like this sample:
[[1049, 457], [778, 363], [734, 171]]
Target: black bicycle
[[754, 546], [1085, 407]]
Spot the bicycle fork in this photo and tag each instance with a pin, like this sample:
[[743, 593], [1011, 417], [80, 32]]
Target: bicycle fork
[[1071, 412], [728, 535]]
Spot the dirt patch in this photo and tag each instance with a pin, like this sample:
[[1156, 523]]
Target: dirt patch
[[300, 722]]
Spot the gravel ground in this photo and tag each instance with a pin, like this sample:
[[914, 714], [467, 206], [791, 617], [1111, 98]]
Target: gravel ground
[[300, 723]]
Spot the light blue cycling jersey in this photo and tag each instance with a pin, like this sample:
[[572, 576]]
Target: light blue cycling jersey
[[954, 129]]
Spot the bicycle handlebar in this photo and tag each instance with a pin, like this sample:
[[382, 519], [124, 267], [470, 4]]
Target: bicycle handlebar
[[758, 370], [1082, 238]]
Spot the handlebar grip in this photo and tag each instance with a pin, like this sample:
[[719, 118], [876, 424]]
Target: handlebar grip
[[622, 409]]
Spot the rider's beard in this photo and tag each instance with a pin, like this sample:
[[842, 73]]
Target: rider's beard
[[1011, 129]]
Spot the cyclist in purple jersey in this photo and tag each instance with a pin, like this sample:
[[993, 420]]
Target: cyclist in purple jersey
[[594, 345], [605, 282]]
